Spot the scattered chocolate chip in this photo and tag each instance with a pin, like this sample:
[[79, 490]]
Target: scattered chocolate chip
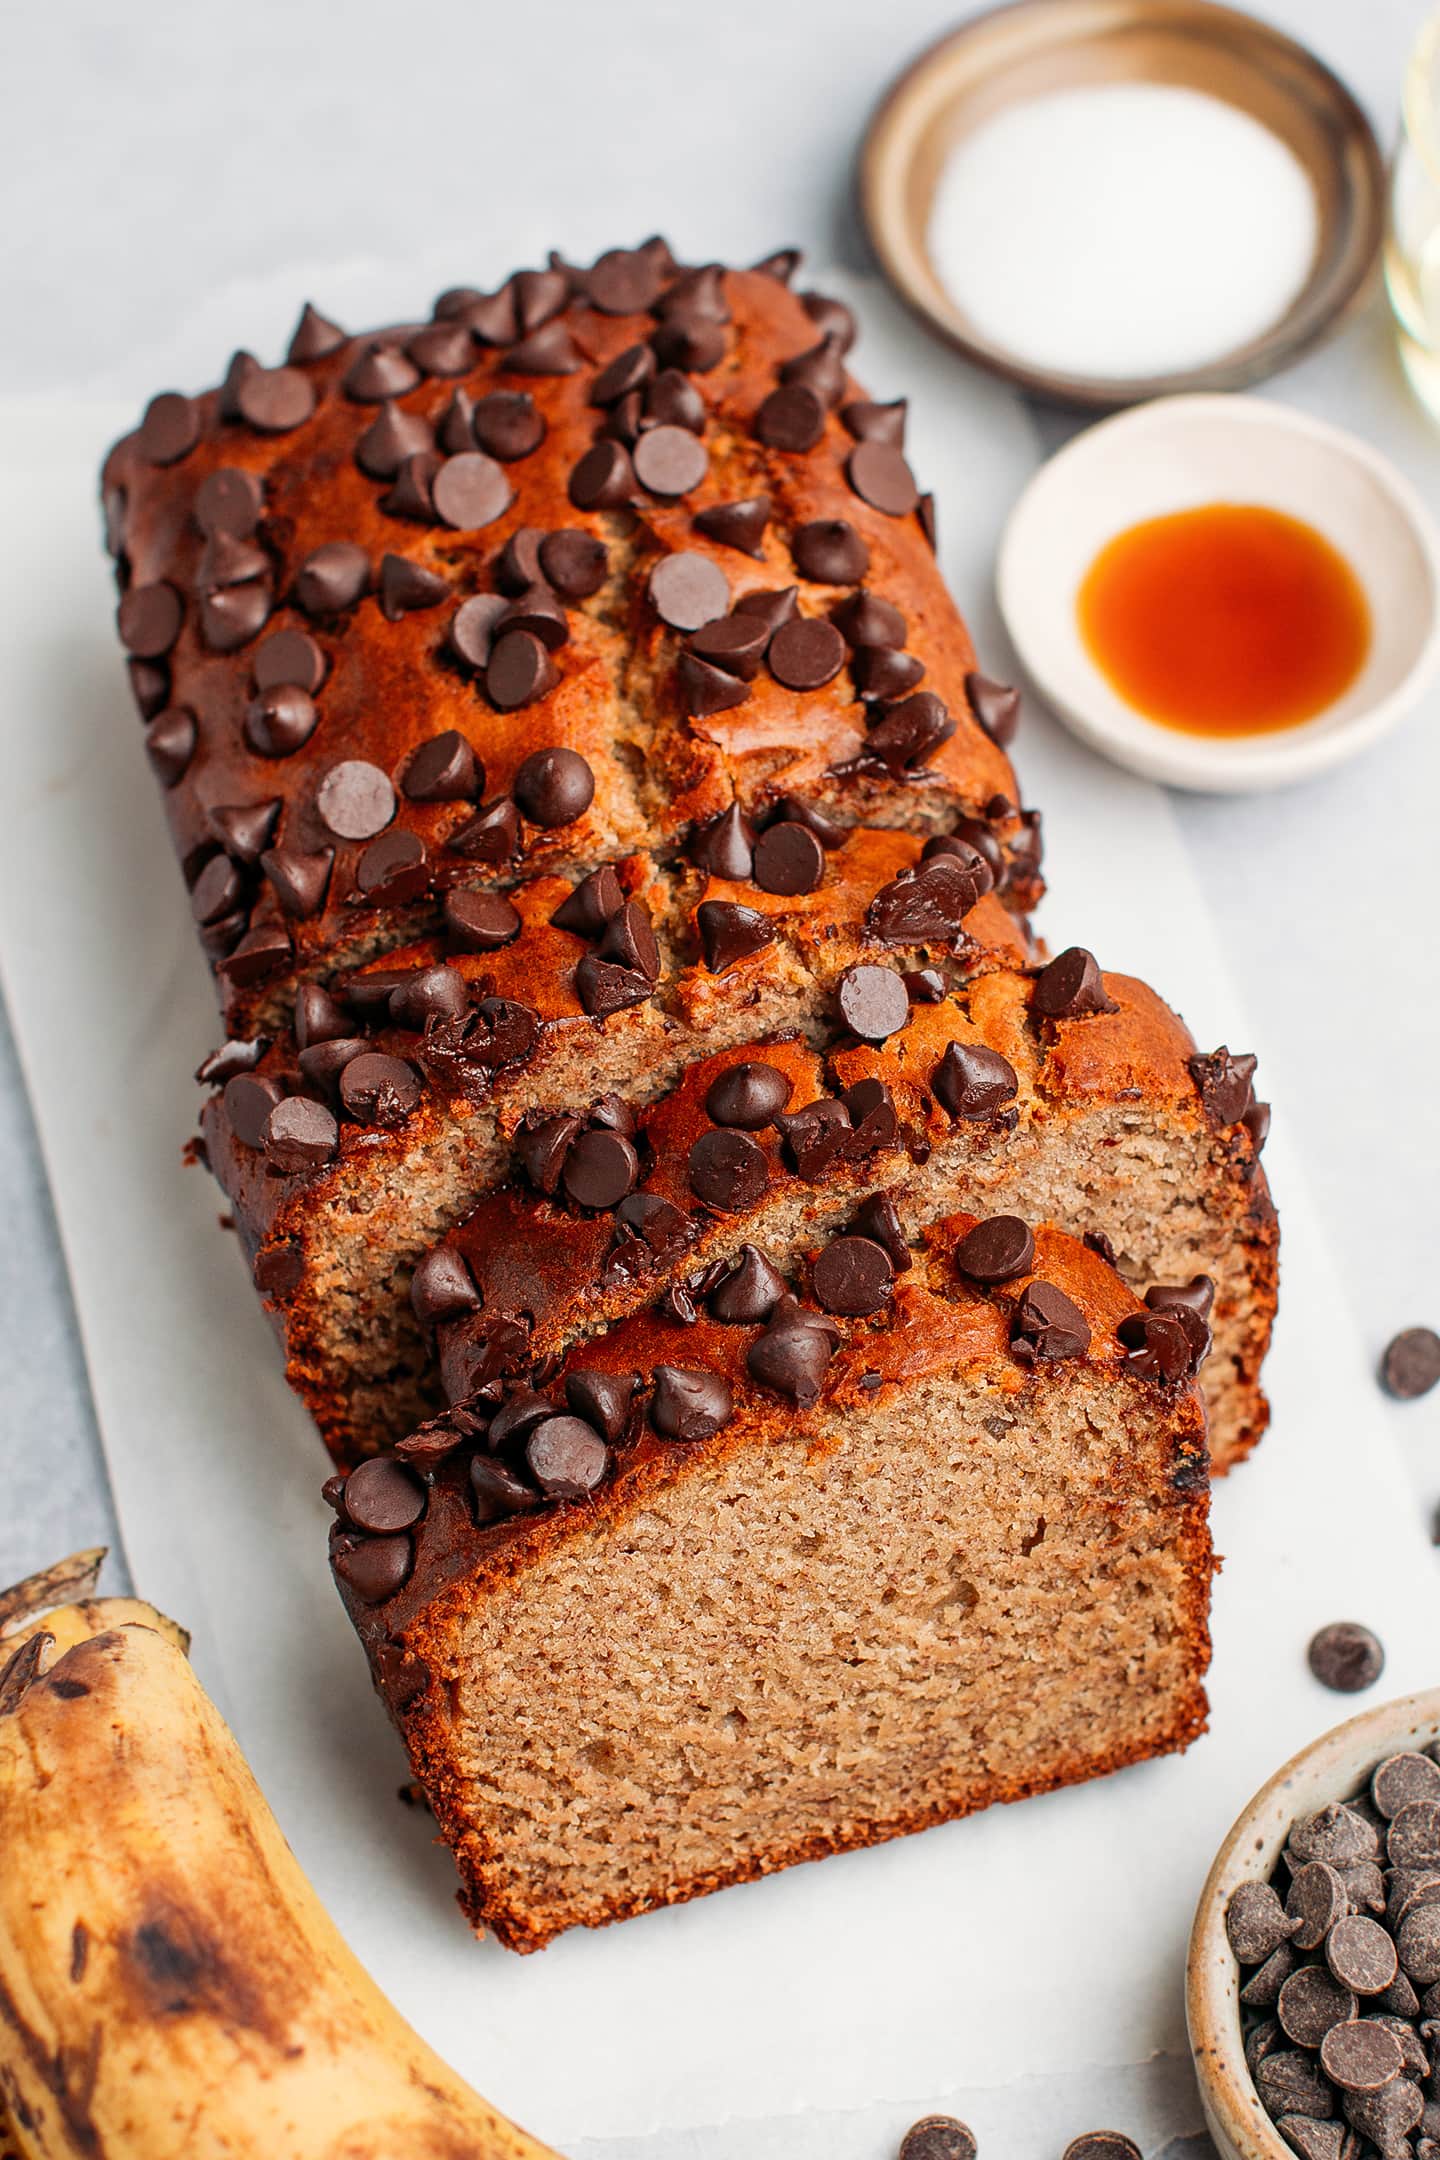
[[300, 1135], [670, 460], [880, 476], [1071, 987], [738, 525], [747, 1289], [315, 337], [806, 653], [781, 266], [550, 350], [602, 1399], [377, 1568], [406, 586], [1048, 1325], [444, 348], [877, 1218], [1157, 1347], [872, 1002], [392, 436], [472, 629], [379, 1090], [520, 670], [1314, 1902], [567, 1458], [735, 644], [831, 317], [794, 1353], [228, 501], [1346, 1657], [471, 491], [149, 619], [730, 932], [820, 369], [1363, 1958], [435, 993], [574, 562], [280, 720], [289, 657], [709, 689], [1225, 1084], [996, 1250], [480, 921], [688, 590], [275, 400], [235, 1056], [869, 422], [727, 1169], [492, 835], [299, 879], [629, 370], [816, 1136], [928, 905], [332, 578], [379, 371], [996, 707], [791, 418], [603, 479], [865, 621], [393, 870], [600, 1168], [1310, 2002], [938, 2137], [1256, 1923], [629, 940], [382, 1496], [1411, 1365], [789, 860], [910, 733], [774, 609], [355, 800], [853, 1275], [973, 1081], [829, 551], [747, 1096], [554, 786], [170, 429], [412, 495], [688, 1404], [442, 1286], [248, 1099]]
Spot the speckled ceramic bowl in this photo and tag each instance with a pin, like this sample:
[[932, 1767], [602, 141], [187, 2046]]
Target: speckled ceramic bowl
[[1331, 1768]]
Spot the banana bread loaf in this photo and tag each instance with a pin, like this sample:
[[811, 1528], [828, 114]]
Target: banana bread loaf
[[917, 1528]]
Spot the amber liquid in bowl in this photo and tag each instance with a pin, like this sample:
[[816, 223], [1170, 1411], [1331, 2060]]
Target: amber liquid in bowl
[[1232, 619]]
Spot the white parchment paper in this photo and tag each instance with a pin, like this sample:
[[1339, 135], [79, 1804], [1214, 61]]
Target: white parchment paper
[[1043, 1937]]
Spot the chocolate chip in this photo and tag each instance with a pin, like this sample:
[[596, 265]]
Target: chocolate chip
[[1225, 1084], [1359, 2055], [1256, 1923], [603, 479], [391, 437], [1256, 1121], [332, 578], [1387, 2117], [1402, 1779], [996, 1250], [794, 1353], [249, 1099], [170, 740], [520, 671], [444, 769], [517, 566], [574, 562], [747, 1290], [853, 1275], [280, 720], [938, 2137], [472, 628], [725, 847], [821, 369], [554, 786], [480, 921], [376, 1569], [1413, 1839], [670, 461], [1261, 1991], [1362, 1956], [224, 561], [602, 1399], [880, 476], [781, 266], [688, 590], [1411, 1365], [355, 800], [807, 653], [406, 586], [444, 348], [241, 364], [591, 903], [816, 1136], [1047, 1326], [774, 609], [995, 706], [729, 933], [382, 1496], [567, 1458], [1311, 2001], [1102, 2145], [1196, 1296], [747, 1096], [289, 657], [600, 1169], [789, 860], [1157, 1347], [1071, 987], [973, 1081], [727, 1169], [228, 501], [791, 418], [442, 1286], [217, 890], [379, 1090], [300, 1135], [629, 370], [630, 942], [1335, 1833], [149, 619], [796, 810], [1314, 1902], [170, 429], [688, 1404], [709, 689], [872, 1002], [392, 870], [738, 525], [1346, 1657], [604, 987], [315, 337], [829, 551], [876, 1218], [538, 611], [236, 1056], [412, 495], [928, 905], [471, 491], [275, 400], [1417, 1941], [865, 620], [549, 351], [910, 734], [435, 993], [869, 422], [734, 643], [379, 371]]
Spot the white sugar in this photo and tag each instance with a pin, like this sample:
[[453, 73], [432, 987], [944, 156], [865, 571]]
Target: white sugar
[[1125, 230]]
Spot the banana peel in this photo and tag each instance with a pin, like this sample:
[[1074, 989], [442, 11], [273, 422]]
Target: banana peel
[[169, 1983]]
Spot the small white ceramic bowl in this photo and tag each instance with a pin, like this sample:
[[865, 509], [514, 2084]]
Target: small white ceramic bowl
[[1177, 454], [1331, 1768]]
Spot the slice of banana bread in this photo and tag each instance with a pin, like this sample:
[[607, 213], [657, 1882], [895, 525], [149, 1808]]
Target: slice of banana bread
[[708, 1600]]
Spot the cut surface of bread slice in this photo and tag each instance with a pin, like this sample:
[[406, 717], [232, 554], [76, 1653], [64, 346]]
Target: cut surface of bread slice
[[722, 1598]]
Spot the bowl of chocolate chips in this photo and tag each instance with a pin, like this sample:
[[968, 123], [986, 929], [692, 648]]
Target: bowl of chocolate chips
[[1313, 1985]]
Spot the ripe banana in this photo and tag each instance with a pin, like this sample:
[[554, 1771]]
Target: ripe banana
[[169, 1983]]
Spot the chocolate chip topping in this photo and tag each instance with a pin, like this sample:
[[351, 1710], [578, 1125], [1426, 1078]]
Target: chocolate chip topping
[[791, 418], [1071, 987], [149, 619], [996, 1250], [1158, 1348], [730, 932], [1225, 1084], [727, 1170], [249, 1099], [996, 706], [392, 436], [406, 587], [280, 720], [300, 1135], [383, 1496], [688, 590], [1047, 1326], [853, 1275], [973, 1081], [747, 1290], [554, 787], [829, 551], [689, 1404], [600, 1168], [873, 1002], [1346, 1657], [332, 578], [379, 1090], [228, 501], [472, 629], [938, 2137], [170, 429], [928, 905], [519, 672], [315, 337], [275, 400], [443, 769], [355, 800], [789, 860], [377, 1568], [738, 525], [442, 1286], [566, 1457], [480, 921], [471, 491], [794, 1353], [575, 563], [908, 736], [747, 1096], [603, 479], [1411, 1365], [869, 422], [806, 653]]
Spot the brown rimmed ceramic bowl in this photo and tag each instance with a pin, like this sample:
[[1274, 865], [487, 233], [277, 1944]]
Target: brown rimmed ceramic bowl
[[1331, 1768], [1035, 47]]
